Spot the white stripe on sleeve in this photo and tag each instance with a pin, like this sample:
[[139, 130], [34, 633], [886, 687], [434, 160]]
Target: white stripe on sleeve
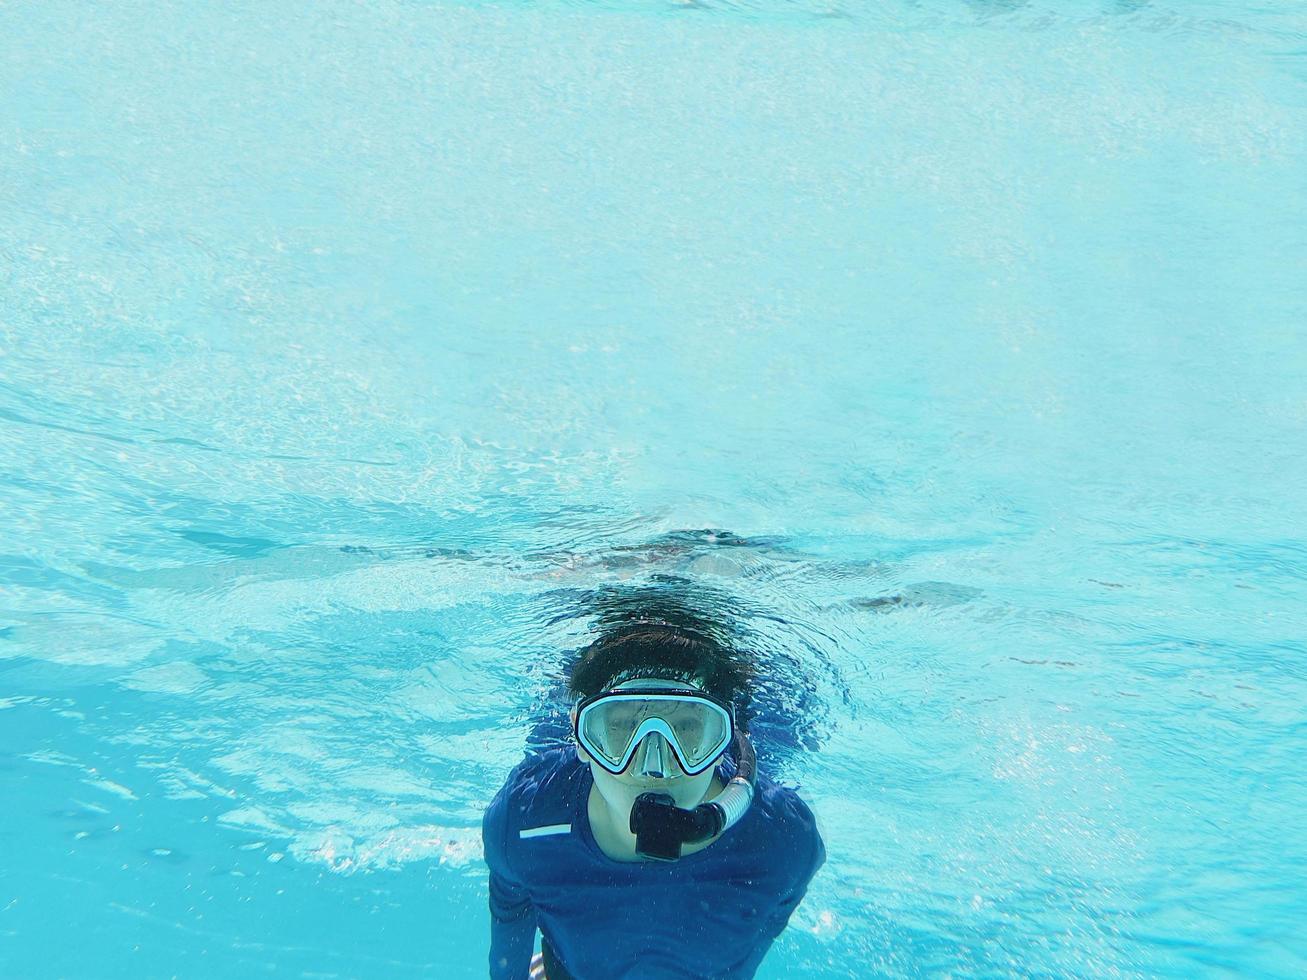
[[548, 831]]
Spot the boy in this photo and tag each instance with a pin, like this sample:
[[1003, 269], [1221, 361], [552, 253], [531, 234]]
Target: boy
[[646, 850]]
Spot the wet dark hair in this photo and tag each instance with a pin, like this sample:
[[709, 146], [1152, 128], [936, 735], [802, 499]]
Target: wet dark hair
[[663, 651]]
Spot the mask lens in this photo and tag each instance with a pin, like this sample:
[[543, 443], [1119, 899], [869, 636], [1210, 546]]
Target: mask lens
[[701, 730]]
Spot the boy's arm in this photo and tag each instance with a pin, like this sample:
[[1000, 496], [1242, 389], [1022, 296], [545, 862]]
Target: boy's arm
[[512, 932], [512, 917], [780, 915]]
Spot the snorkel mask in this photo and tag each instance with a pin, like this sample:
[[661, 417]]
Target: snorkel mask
[[653, 721]]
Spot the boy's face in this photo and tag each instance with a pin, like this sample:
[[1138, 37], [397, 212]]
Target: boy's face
[[654, 768]]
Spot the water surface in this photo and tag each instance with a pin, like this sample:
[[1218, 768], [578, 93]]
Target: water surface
[[352, 356]]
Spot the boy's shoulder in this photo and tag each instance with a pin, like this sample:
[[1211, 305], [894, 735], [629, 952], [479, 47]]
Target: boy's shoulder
[[541, 788], [782, 825], [783, 810]]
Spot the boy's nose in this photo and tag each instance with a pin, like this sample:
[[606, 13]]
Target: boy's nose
[[651, 758]]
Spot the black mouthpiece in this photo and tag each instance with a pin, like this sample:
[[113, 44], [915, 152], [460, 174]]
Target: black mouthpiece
[[661, 827]]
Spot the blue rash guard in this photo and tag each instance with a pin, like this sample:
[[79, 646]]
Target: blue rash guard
[[713, 913]]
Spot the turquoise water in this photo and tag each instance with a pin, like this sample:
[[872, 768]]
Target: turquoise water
[[351, 354]]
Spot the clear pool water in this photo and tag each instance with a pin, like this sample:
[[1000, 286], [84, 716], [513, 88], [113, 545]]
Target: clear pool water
[[353, 354]]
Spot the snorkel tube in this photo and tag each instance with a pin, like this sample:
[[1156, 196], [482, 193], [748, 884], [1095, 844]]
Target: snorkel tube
[[661, 827]]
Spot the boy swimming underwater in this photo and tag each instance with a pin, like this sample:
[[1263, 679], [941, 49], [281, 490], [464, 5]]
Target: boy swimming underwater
[[650, 848]]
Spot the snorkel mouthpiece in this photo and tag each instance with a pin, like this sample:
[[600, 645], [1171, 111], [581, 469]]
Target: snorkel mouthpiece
[[662, 828]]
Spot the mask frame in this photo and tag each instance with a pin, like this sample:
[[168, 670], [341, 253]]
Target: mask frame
[[724, 709]]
